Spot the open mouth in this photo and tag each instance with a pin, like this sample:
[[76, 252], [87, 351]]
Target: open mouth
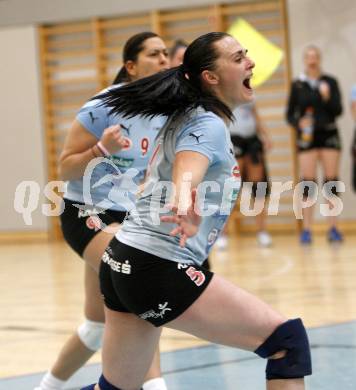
[[247, 82]]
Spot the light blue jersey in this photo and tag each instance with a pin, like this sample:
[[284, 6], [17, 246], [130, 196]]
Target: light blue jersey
[[112, 183], [202, 132]]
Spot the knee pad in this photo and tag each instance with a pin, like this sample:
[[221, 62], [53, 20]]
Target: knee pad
[[292, 338], [330, 187], [91, 334], [105, 385], [308, 188]]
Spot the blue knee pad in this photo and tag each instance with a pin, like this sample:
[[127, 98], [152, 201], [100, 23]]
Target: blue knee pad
[[292, 338], [103, 384], [91, 387]]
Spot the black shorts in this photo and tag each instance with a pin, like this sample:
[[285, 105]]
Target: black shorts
[[206, 264], [155, 289], [251, 146], [322, 139], [80, 226]]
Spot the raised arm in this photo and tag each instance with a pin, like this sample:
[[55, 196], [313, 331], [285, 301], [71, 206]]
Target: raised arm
[[80, 147], [198, 146]]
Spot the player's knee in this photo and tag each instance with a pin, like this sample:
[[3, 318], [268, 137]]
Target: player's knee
[[290, 337], [91, 334], [330, 186], [309, 188]]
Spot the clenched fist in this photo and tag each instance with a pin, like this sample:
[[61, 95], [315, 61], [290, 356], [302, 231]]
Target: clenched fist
[[113, 140]]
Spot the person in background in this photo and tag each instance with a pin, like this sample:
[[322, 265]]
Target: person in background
[[251, 140], [313, 106], [176, 53], [88, 227]]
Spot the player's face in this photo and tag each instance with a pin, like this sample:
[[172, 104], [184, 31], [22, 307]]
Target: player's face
[[233, 72], [312, 59], [152, 59], [177, 59]]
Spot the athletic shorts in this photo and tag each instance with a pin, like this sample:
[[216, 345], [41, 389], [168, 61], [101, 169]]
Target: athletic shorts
[[80, 226], [251, 146], [322, 139], [206, 264], [155, 289]]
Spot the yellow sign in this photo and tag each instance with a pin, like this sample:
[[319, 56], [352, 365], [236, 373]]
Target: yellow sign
[[266, 55]]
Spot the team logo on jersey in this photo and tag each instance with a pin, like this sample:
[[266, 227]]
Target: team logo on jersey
[[196, 136], [235, 172], [126, 128], [122, 162], [92, 117]]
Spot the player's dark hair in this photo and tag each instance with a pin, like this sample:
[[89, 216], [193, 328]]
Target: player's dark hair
[[131, 50], [174, 91]]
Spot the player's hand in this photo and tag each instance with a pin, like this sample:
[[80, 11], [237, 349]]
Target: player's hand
[[113, 140], [187, 222], [324, 90]]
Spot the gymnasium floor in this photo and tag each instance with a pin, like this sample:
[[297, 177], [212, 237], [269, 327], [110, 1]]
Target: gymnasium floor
[[41, 300]]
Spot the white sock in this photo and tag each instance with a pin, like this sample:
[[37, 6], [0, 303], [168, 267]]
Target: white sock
[[50, 382], [155, 384]]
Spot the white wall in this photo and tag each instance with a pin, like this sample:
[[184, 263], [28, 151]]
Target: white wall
[[331, 25], [21, 147], [39, 11]]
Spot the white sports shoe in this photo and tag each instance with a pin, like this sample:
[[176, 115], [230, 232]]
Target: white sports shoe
[[221, 243], [264, 239]]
